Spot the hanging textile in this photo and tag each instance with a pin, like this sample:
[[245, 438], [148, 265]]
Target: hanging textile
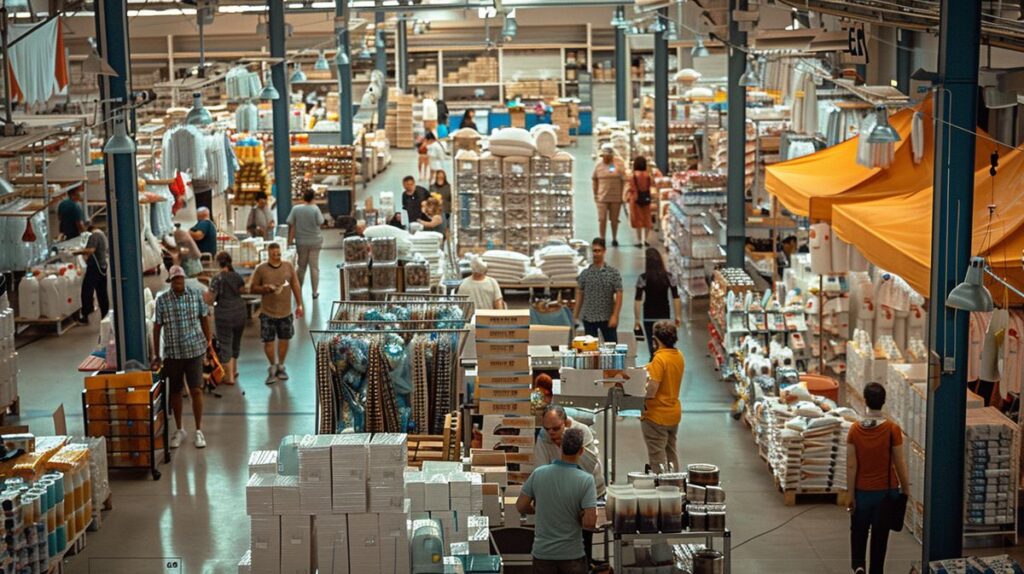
[[381, 403], [325, 389], [184, 150], [38, 66], [420, 385], [442, 383]]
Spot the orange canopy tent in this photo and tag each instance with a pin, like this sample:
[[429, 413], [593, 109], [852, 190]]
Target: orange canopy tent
[[896, 233], [812, 185]]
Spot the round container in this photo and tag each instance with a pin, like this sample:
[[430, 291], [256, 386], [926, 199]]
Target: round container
[[670, 508], [644, 484], [716, 520], [708, 561], [702, 474], [357, 249], [677, 479], [647, 511], [661, 553], [384, 249], [625, 511]]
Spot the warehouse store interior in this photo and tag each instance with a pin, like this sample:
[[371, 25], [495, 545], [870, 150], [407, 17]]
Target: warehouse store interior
[[502, 286]]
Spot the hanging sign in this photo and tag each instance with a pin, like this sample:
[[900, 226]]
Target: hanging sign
[[857, 43]]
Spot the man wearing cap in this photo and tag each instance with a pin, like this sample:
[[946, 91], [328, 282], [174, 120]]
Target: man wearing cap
[[609, 183], [275, 279], [483, 291], [183, 318]]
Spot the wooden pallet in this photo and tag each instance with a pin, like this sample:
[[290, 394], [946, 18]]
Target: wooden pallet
[[424, 447], [61, 324], [97, 513], [792, 497]]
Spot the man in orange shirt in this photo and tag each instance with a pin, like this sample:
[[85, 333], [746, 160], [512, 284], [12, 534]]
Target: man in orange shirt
[[660, 420]]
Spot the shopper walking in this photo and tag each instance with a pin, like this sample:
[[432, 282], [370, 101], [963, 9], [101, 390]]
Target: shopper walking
[[877, 469], [95, 281], [261, 220], [304, 232], [483, 291], [565, 501], [70, 216], [204, 232], [229, 314], [435, 154], [655, 289], [609, 184], [442, 190], [274, 279], [662, 410], [182, 320], [599, 296], [413, 197], [639, 200]]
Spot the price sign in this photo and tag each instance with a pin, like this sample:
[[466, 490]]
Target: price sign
[[857, 43]]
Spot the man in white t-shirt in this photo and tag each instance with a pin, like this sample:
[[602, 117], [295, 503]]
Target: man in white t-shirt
[[483, 291]]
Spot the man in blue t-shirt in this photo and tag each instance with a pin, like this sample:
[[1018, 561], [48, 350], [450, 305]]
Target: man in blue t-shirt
[[70, 214], [565, 502], [205, 232]]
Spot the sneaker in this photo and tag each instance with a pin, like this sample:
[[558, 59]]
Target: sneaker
[[281, 373], [615, 243], [271, 374], [200, 439], [177, 438], [83, 320], [316, 295]]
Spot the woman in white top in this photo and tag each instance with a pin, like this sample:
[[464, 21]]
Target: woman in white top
[[483, 291], [435, 154]]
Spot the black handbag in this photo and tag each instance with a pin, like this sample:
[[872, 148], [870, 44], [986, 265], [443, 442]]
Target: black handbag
[[893, 508], [643, 197]]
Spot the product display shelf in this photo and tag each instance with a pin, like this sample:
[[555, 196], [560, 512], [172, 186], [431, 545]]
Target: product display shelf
[[693, 246], [708, 536], [325, 161], [130, 411]]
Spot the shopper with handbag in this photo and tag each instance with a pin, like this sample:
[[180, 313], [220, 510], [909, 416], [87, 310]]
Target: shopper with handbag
[[230, 313], [639, 200], [877, 471], [656, 296]]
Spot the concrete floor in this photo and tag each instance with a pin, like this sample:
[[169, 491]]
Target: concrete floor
[[196, 512]]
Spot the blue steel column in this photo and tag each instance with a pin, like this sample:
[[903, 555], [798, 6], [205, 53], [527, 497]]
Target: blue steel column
[[661, 95], [344, 71], [282, 146], [382, 65], [621, 70], [737, 204], [952, 221], [122, 192], [904, 57], [402, 54]]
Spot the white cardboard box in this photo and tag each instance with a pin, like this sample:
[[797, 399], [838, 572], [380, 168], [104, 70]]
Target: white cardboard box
[[331, 532], [265, 543], [364, 543], [296, 545]]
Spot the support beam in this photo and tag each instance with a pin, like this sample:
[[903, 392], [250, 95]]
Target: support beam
[[344, 71], [737, 202], [122, 194], [661, 96], [282, 147], [382, 66], [402, 54], [622, 98], [956, 102], [904, 59]]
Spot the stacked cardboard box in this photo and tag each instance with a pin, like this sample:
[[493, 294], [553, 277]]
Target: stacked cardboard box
[[455, 499], [503, 362], [480, 70], [534, 89], [399, 123], [344, 511], [513, 435], [425, 75]]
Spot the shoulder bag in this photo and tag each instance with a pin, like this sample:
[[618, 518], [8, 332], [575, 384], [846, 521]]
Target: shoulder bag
[[643, 197], [893, 508]]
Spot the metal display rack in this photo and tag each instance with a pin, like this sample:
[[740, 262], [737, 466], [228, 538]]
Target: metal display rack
[[132, 419], [621, 539]]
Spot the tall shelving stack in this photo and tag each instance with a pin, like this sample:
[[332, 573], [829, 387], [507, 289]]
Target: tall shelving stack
[[689, 226], [468, 230], [491, 203], [551, 199], [516, 185]]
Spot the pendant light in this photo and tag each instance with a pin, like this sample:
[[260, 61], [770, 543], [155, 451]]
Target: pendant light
[[672, 33], [510, 29], [298, 75], [198, 115], [322, 64], [971, 295], [699, 50], [656, 27], [342, 59], [119, 142], [750, 77], [619, 18], [364, 53], [883, 133], [269, 91]]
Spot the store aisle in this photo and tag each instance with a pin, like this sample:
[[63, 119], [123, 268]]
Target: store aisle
[[196, 512]]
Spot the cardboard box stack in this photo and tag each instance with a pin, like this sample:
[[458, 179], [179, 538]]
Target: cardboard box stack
[[990, 470], [344, 511], [399, 122], [503, 381], [480, 70], [514, 436], [441, 491]]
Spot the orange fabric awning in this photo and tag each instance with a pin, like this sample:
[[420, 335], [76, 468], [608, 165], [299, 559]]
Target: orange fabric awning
[[895, 233]]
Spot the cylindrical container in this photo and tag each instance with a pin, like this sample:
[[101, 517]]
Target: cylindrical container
[[661, 553], [677, 479], [633, 476], [670, 509], [708, 561], [698, 516], [647, 516], [716, 520], [644, 483], [702, 474], [625, 511]]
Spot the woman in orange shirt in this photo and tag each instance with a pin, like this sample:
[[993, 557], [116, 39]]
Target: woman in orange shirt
[[662, 413], [877, 470]]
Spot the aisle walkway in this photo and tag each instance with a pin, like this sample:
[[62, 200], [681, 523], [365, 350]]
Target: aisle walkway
[[197, 511]]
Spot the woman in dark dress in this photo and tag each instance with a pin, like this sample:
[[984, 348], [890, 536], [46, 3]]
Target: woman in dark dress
[[656, 296]]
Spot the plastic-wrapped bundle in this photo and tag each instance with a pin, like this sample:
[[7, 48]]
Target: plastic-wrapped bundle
[[242, 84], [246, 117]]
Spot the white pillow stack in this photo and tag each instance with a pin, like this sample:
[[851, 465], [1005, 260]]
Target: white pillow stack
[[512, 141], [427, 244], [401, 237], [546, 137], [506, 266], [558, 262]]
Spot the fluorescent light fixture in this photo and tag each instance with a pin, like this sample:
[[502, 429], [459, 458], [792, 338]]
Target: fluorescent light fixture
[[298, 75], [321, 62], [119, 142], [971, 295], [699, 50], [198, 115], [883, 132]]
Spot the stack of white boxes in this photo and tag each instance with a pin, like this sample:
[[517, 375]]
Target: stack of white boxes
[[990, 469], [344, 513], [443, 492]]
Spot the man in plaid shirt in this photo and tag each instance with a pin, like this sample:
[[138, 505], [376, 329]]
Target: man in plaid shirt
[[183, 316]]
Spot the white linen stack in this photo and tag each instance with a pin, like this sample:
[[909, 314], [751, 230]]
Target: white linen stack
[[558, 262], [427, 244], [506, 266]]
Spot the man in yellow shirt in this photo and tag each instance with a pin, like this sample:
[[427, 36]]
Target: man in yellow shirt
[[660, 420]]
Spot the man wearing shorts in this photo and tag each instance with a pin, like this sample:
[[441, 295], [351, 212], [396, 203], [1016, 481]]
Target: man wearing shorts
[[183, 318], [277, 282]]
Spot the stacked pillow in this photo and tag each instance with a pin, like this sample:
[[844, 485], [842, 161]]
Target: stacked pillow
[[511, 142]]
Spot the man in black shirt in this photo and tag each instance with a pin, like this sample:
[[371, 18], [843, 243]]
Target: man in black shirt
[[412, 196]]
